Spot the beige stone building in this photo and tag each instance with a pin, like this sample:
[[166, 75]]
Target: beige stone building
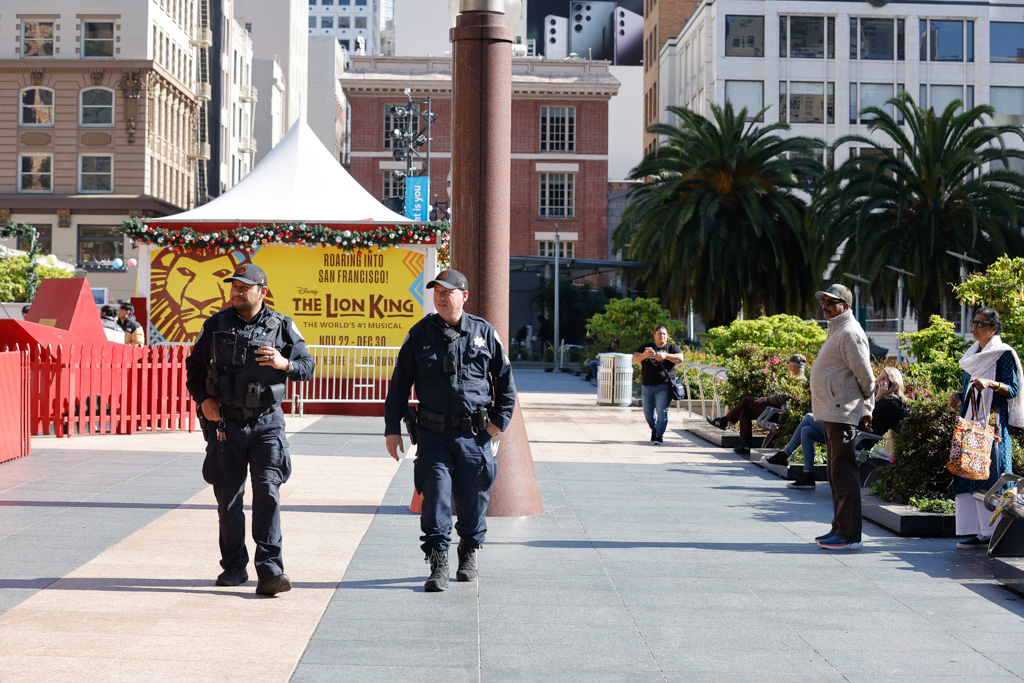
[[99, 105]]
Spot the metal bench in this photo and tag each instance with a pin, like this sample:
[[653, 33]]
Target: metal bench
[[768, 421], [872, 457], [1008, 536]]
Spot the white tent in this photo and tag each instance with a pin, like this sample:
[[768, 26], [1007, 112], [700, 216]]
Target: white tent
[[299, 181]]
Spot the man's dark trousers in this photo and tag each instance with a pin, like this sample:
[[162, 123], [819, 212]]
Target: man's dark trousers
[[258, 445], [749, 408], [844, 479], [454, 464]]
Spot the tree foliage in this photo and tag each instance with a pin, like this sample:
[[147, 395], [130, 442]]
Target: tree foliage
[[719, 219], [936, 350], [1001, 286], [914, 190], [15, 281]]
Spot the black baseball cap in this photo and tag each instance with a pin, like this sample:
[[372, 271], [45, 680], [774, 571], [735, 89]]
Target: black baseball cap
[[450, 279], [250, 274]]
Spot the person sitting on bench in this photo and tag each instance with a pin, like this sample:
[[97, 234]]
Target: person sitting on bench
[[890, 409], [749, 407]]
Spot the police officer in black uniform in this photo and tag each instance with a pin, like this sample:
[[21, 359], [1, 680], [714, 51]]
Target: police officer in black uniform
[[464, 385], [236, 373]]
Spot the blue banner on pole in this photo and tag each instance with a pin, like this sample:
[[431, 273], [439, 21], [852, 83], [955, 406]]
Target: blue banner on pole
[[417, 191]]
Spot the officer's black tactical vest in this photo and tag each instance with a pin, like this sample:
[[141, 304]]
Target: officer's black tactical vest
[[235, 367]]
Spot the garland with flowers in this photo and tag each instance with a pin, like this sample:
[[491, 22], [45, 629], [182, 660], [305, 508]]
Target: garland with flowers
[[27, 232], [249, 239]]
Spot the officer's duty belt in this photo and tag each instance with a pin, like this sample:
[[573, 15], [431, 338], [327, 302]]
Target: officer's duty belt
[[232, 413], [436, 422]]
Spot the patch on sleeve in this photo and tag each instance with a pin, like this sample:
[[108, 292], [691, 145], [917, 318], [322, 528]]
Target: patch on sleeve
[[498, 338], [295, 329]]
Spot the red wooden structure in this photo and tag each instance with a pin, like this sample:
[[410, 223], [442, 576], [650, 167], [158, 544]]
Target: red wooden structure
[[106, 389], [14, 407]]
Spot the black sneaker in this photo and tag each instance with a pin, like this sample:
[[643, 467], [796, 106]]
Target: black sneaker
[[274, 584], [741, 450], [804, 481], [716, 421], [780, 458], [659, 440], [654, 436], [235, 576], [973, 543]]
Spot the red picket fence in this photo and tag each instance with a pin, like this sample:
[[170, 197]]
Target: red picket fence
[[14, 407], [107, 389]]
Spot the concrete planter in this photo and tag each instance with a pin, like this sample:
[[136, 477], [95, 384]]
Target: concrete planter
[[904, 520]]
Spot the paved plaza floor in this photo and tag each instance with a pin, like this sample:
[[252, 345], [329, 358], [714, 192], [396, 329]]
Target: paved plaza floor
[[675, 563]]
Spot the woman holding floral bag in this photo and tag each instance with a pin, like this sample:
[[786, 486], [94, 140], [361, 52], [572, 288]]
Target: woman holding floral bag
[[992, 368]]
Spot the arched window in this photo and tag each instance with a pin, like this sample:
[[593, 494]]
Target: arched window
[[96, 107], [36, 107]]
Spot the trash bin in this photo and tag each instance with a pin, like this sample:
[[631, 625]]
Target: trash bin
[[615, 379]]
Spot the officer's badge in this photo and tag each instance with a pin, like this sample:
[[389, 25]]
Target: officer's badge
[[479, 341]]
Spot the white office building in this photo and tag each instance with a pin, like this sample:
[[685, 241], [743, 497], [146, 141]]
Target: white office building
[[817, 65], [355, 23]]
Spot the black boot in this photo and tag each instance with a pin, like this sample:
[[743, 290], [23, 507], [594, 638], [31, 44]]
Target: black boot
[[438, 580], [467, 561]]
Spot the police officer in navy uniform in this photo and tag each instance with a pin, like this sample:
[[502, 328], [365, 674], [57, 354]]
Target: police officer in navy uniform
[[466, 395], [236, 373]]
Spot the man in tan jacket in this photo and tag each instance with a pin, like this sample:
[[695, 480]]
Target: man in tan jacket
[[841, 397]]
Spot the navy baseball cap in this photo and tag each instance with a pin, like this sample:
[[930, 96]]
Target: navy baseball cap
[[450, 279], [250, 274]]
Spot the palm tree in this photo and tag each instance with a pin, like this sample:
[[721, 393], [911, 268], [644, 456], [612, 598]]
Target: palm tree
[[719, 218], [916, 190]]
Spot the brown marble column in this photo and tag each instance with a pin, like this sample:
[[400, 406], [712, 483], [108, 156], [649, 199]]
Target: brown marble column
[[481, 179]]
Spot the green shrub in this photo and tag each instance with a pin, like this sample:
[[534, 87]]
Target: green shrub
[[946, 506], [632, 322], [921, 453], [14, 277], [759, 371], [784, 333], [937, 350]]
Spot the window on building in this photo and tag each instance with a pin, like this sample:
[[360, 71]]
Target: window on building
[[360, 3], [566, 248], [807, 102], [345, 44], [312, 22], [44, 239], [938, 97], [312, 3], [744, 36], [97, 39], [1009, 105], [558, 129], [749, 94], [878, 39], [391, 122], [36, 107], [326, 22], [360, 22], [393, 187], [1006, 41], [868, 95], [95, 173], [99, 245], [947, 41], [344, 3], [344, 22], [96, 107], [807, 37], [35, 173], [37, 38], [556, 195], [327, 2]]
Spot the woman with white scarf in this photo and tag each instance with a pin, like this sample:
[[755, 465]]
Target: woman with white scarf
[[993, 368]]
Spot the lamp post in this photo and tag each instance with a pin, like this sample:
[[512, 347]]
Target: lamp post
[[558, 358], [964, 258], [481, 136], [899, 313], [856, 293]]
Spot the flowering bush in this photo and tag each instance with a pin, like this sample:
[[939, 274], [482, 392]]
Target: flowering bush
[[756, 370], [785, 333], [936, 350]]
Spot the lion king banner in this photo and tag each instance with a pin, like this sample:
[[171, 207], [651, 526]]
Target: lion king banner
[[336, 298]]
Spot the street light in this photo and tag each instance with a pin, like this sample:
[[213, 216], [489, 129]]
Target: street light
[[558, 359], [856, 293], [407, 138], [899, 312], [964, 258]]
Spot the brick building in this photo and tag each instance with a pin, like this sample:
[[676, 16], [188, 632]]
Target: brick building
[[663, 19], [559, 143], [97, 123]]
